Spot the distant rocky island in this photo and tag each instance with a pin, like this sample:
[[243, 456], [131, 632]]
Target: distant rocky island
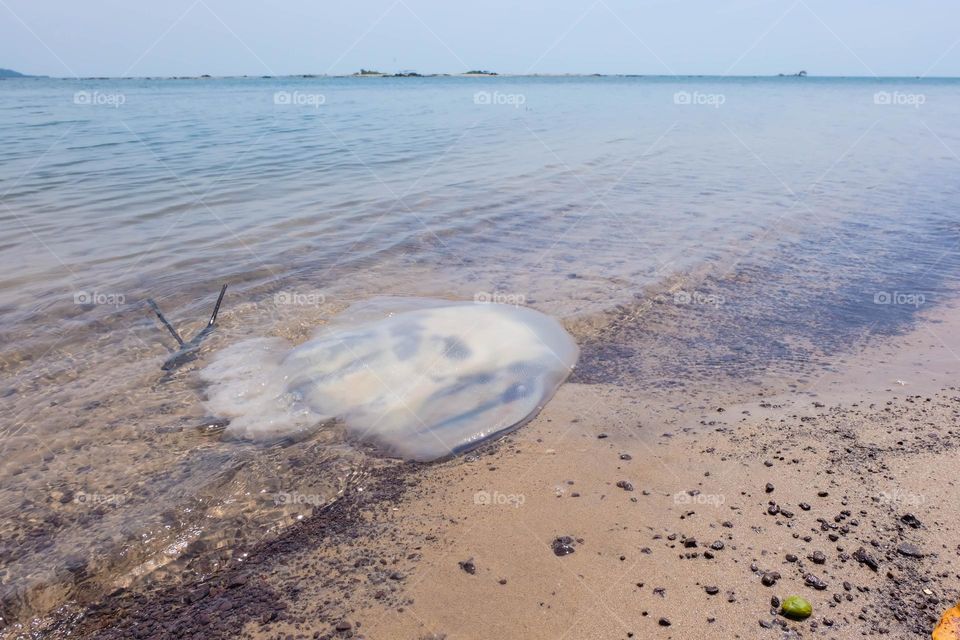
[[10, 73], [801, 74], [414, 74]]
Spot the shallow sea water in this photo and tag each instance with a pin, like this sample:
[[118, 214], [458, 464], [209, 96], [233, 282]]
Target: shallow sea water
[[690, 233]]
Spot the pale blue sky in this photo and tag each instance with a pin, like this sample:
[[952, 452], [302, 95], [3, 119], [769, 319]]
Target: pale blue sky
[[256, 37]]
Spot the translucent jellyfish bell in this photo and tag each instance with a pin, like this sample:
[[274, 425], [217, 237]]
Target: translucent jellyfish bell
[[420, 384]]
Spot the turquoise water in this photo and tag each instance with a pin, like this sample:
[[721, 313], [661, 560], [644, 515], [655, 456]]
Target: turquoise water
[[752, 210]]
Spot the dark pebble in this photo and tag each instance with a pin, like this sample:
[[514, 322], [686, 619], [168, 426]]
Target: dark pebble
[[769, 578], [861, 556], [563, 546], [910, 520], [813, 581]]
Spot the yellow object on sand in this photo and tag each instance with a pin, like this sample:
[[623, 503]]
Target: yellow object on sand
[[949, 627]]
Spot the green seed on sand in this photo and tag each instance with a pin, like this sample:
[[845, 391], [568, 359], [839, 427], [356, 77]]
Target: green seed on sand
[[796, 608]]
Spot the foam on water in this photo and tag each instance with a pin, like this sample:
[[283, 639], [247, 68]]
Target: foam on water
[[420, 384]]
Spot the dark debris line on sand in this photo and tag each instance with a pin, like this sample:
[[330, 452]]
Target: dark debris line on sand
[[222, 603]]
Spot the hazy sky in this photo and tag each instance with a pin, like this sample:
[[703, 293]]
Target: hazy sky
[[256, 37]]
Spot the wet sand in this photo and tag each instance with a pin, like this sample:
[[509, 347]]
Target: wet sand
[[619, 514]]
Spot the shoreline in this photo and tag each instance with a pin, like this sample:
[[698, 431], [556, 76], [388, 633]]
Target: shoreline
[[662, 501]]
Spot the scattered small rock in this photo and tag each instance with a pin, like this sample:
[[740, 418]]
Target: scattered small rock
[[563, 546], [910, 520], [861, 556], [813, 581]]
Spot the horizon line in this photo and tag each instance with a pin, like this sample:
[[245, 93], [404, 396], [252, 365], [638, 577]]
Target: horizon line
[[415, 74]]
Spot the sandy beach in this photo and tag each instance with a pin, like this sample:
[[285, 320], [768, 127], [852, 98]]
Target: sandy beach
[[618, 514], [583, 320]]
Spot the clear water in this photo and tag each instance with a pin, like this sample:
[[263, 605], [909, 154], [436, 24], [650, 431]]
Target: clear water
[[767, 221]]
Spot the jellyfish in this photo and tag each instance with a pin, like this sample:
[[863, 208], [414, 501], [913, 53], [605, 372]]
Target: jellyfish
[[421, 384]]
